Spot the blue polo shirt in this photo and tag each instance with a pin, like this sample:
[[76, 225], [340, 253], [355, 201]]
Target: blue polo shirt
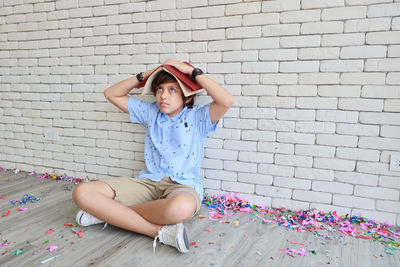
[[173, 145]]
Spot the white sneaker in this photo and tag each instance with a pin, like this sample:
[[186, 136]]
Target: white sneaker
[[173, 235], [85, 219]]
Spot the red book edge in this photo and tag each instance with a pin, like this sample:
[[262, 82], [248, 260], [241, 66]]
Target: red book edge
[[185, 79]]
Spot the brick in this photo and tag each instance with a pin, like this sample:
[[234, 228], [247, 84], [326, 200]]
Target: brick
[[247, 55], [240, 145], [316, 102], [285, 5], [243, 8], [275, 101], [345, 39], [321, 3], [207, 12], [390, 131], [221, 175], [314, 174], [384, 10], [295, 115], [202, 35], [344, 13], [245, 101], [259, 67], [293, 160], [378, 143], [295, 138], [240, 166], [356, 153], [242, 79], [190, 3], [278, 78], [207, 57], [252, 135], [160, 5], [334, 164], [300, 16], [322, 27], [240, 123], [260, 43], [361, 104], [146, 16], [392, 105], [243, 32], [337, 140], [292, 183], [176, 14], [224, 22], [191, 24], [392, 64], [278, 54], [357, 129], [393, 78], [376, 192], [273, 191], [314, 150], [297, 90], [281, 30], [299, 66], [318, 78], [367, 25], [342, 65], [224, 45], [256, 157], [319, 53], [380, 118], [386, 37], [274, 125], [353, 202], [369, 51], [312, 196], [273, 169], [389, 181], [362, 78], [260, 19], [356, 178], [380, 92]]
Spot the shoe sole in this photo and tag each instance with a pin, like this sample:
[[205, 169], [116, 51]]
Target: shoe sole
[[182, 241]]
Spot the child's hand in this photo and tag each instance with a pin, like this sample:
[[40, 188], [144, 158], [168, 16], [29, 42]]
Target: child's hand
[[182, 67]]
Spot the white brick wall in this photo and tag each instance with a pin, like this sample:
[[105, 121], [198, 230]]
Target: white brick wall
[[316, 86]]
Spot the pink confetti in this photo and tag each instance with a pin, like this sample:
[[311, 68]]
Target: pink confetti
[[209, 230], [22, 209], [2, 198], [291, 252], [52, 248], [299, 243]]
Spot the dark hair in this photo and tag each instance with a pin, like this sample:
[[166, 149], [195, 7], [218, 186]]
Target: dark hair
[[163, 77]]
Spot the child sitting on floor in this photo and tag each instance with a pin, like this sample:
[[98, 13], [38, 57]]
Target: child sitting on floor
[[169, 191]]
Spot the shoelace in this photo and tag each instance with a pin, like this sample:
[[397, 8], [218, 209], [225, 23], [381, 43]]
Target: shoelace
[[164, 238]]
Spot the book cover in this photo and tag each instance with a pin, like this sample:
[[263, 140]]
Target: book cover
[[187, 85]]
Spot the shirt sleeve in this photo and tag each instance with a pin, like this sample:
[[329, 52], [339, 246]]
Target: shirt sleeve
[[139, 111], [203, 119]]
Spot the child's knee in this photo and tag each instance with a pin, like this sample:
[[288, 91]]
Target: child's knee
[[181, 207]]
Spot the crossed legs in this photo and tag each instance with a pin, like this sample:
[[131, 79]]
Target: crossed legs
[[97, 198]]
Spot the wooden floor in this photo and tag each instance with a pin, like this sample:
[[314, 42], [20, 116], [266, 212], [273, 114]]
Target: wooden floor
[[250, 244]]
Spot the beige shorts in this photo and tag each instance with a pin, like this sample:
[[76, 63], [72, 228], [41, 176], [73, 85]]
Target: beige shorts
[[133, 191]]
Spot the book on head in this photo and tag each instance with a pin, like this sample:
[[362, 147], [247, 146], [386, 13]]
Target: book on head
[[188, 86]]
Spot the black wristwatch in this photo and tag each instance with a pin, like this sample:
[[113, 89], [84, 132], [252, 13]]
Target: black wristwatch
[[139, 76], [195, 72]]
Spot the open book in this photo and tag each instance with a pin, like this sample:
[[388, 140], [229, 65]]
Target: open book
[[188, 86]]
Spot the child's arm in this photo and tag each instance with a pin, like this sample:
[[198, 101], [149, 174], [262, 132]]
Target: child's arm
[[223, 100], [118, 93]]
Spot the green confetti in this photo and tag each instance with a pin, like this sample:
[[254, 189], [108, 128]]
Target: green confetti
[[45, 242], [19, 251]]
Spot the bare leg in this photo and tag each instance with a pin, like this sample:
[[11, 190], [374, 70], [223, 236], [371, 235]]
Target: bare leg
[[97, 198], [176, 207]]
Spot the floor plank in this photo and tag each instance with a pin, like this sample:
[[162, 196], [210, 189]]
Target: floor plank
[[250, 244]]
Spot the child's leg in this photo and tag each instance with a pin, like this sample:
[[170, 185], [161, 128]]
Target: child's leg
[[97, 198], [176, 207]]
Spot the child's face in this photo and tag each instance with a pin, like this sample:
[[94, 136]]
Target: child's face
[[169, 98]]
